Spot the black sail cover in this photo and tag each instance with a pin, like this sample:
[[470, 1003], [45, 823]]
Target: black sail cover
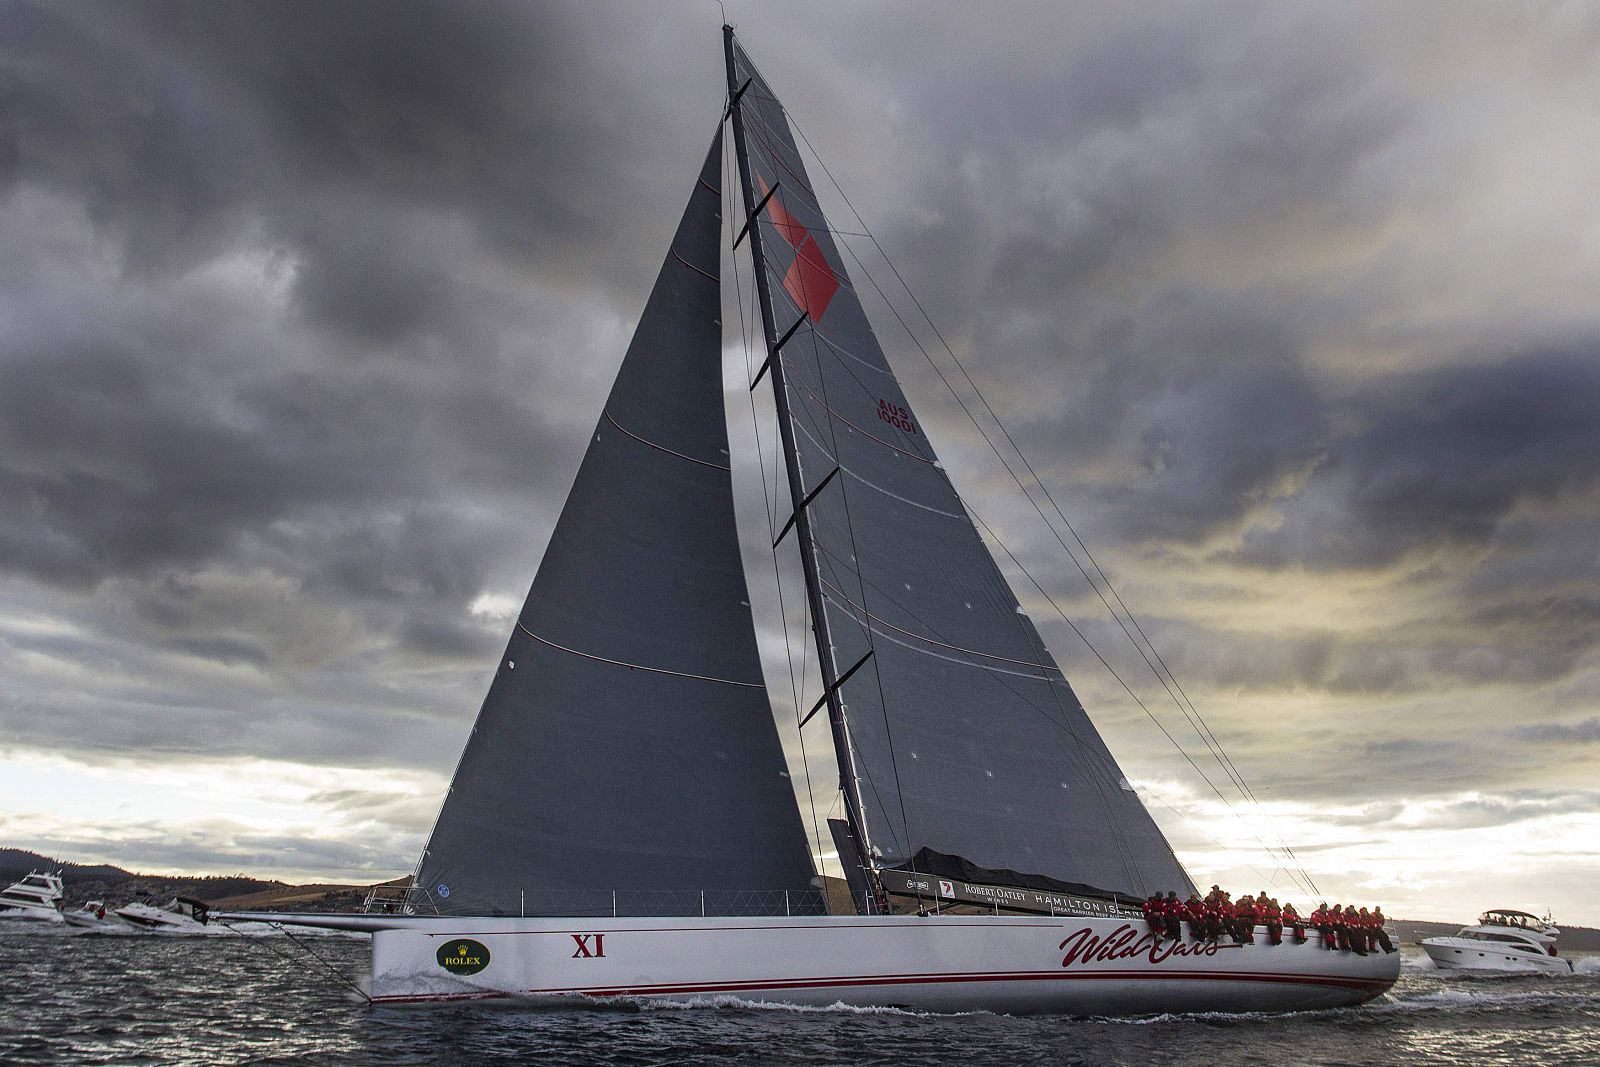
[[626, 754], [967, 738]]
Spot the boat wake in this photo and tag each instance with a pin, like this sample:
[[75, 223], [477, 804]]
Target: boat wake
[[729, 1002], [1475, 1001], [1202, 1016]]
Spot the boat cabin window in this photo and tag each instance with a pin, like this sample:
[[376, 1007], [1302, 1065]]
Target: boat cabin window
[[1507, 939]]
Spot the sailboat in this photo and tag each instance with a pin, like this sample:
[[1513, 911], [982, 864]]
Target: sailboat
[[622, 823]]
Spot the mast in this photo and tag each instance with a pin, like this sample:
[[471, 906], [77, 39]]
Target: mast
[[849, 778]]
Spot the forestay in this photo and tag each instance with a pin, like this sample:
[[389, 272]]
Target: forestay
[[967, 739], [626, 755]]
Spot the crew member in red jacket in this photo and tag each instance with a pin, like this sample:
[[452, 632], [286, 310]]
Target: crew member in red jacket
[[1244, 920], [1195, 912], [1272, 917], [1291, 919], [1369, 936], [1219, 917], [1322, 920], [1154, 908], [1356, 930], [1379, 933]]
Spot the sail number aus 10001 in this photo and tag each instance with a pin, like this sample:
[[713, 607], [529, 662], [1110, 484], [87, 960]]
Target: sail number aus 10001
[[896, 416]]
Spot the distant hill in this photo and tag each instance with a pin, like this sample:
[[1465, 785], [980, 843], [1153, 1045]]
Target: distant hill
[[83, 882], [16, 859]]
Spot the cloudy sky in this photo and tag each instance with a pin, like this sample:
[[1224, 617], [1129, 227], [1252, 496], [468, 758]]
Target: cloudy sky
[[306, 310]]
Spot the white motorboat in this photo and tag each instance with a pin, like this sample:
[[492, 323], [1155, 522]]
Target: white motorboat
[[622, 823], [93, 915], [37, 897], [1502, 940], [179, 915]]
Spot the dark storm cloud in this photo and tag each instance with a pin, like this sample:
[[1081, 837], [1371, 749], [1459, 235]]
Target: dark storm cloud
[[178, 125], [269, 280], [1443, 458]]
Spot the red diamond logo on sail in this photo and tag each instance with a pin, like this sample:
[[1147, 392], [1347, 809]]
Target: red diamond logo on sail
[[811, 282], [790, 230]]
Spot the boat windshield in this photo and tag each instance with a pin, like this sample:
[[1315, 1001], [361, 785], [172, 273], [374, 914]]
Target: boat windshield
[[1506, 939]]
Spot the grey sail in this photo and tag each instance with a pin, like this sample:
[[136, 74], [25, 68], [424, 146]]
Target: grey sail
[[966, 738], [626, 755]]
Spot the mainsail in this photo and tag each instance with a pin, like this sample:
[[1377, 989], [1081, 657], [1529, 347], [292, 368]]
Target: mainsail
[[626, 758], [959, 733]]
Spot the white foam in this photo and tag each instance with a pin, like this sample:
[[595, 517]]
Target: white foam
[[1453, 999], [727, 1000]]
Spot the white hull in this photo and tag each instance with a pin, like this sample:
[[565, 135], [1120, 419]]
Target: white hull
[[1075, 966], [89, 921], [36, 898], [150, 917], [1467, 954]]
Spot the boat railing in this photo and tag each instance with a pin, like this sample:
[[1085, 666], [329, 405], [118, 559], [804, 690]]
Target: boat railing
[[657, 903], [636, 903], [1514, 921], [597, 903]]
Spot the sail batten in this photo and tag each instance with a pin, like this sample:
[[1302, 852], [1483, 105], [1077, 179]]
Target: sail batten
[[966, 738], [626, 758]]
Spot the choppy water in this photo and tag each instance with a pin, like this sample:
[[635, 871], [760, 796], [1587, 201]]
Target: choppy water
[[149, 999]]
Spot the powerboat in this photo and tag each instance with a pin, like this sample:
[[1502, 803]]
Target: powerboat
[[92, 916], [1503, 940], [179, 915], [36, 897]]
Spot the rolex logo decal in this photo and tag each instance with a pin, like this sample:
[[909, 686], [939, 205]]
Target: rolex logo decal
[[463, 956]]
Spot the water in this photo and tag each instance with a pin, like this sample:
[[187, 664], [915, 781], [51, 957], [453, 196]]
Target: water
[[92, 998]]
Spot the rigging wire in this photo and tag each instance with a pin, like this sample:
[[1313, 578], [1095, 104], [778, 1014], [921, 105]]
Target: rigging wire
[[1191, 712], [331, 969]]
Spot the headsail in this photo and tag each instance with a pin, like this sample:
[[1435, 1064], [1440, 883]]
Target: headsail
[[965, 735], [627, 743]]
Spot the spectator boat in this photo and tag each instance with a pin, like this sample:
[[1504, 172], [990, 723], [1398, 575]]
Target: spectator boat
[[37, 898], [1502, 940]]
